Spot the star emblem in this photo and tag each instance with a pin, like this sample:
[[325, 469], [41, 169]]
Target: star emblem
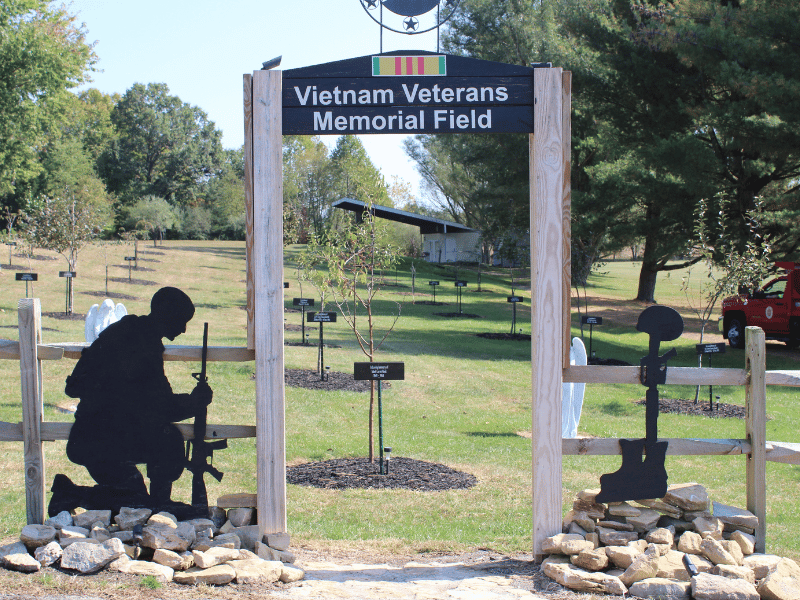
[[411, 24], [371, 4]]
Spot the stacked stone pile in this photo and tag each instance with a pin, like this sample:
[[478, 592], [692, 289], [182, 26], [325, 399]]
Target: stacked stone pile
[[641, 548], [222, 549]]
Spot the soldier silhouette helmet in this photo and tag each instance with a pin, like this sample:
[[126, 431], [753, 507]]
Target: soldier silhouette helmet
[[662, 322], [171, 309]]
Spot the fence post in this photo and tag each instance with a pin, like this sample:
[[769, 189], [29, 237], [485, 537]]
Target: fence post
[[756, 429], [30, 367]]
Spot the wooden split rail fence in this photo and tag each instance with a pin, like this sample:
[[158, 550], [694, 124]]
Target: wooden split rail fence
[[33, 431]]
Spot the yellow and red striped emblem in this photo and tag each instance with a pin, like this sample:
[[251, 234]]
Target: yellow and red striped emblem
[[396, 66]]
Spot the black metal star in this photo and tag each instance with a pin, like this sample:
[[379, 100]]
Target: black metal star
[[411, 24], [371, 3]]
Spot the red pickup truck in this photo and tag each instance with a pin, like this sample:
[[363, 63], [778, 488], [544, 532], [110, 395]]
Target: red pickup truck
[[775, 308]]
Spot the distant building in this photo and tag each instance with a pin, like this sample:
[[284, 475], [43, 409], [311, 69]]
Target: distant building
[[442, 241]]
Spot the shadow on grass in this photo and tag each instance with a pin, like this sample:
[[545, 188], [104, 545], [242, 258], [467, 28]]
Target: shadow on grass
[[492, 434]]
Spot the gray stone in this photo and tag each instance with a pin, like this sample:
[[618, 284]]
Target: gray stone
[[644, 566], [716, 553], [214, 556], [248, 536], [201, 525], [782, 582], [689, 542], [101, 534], [128, 518], [593, 510], [610, 537], [218, 575], [291, 574], [22, 562], [62, 519], [266, 553], [47, 555], [163, 519], [761, 563], [125, 536], [241, 517], [144, 568], [173, 560], [90, 558], [576, 529], [662, 507], [660, 535], [34, 536], [714, 587], [90, 517], [580, 580], [218, 516], [687, 496], [70, 534], [229, 540], [256, 570], [663, 589], [621, 556], [734, 549], [553, 544], [581, 518], [160, 534], [591, 560], [623, 509], [670, 566], [737, 517], [645, 520], [616, 525], [708, 527], [571, 547]]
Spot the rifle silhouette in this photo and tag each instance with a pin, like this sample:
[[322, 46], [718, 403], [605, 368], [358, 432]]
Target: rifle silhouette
[[198, 451]]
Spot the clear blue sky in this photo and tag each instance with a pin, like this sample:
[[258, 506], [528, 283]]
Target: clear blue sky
[[201, 49]]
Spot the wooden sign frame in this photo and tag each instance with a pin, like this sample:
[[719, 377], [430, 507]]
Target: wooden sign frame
[[549, 159]]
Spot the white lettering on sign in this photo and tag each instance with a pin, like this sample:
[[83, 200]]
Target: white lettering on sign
[[310, 96], [342, 97], [449, 119], [396, 122], [459, 94]]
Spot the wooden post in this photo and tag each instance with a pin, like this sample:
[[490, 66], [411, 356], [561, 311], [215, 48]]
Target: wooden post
[[566, 208], [30, 367], [248, 207], [756, 429], [267, 271], [547, 307]]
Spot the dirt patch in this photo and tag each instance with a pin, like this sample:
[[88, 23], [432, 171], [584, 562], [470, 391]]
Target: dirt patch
[[404, 473], [335, 381], [132, 281], [461, 315], [136, 268], [680, 406], [64, 316], [110, 295], [513, 337]]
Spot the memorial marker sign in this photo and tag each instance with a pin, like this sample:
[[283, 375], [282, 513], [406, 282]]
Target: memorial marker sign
[[407, 93], [321, 318], [302, 303], [26, 276]]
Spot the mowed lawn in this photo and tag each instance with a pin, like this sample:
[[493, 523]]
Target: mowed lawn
[[465, 400]]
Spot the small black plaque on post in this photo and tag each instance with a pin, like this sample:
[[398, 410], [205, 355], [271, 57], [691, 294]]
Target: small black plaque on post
[[321, 317], [433, 283], [587, 320], [710, 348], [285, 285], [302, 302], [515, 299], [26, 276], [130, 258], [461, 283], [67, 274], [378, 370]]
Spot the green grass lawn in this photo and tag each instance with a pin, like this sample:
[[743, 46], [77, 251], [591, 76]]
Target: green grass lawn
[[464, 401]]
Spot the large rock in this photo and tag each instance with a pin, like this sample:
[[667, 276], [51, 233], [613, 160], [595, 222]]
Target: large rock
[[70, 534], [219, 575], [660, 535], [128, 518], [173, 560], [256, 570], [90, 558], [732, 572], [571, 547], [290, 574], [661, 588], [670, 566], [687, 496], [241, 517], [623, 509], [580, 580], [21, 561], [214, 556], [90, 517], [616, 525], [145, 568], [611, 537], [47, 555], [591, 560], [644, 566], [662, 507], [621, 556], [62, 519], [734, 549], [782, 582], [737, 518], [708, 527], [689, 542], [248, 536], [645, 520], [554, 544], [716, 553], [746, 542], [761, 563], [34, 536], [8, 549], [714, 587], [158, 534]]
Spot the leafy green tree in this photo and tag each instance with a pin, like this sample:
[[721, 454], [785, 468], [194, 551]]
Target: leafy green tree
[[307, 185], [354, 175], [165, 147], [43, 54], [152, 214], [224, 197]]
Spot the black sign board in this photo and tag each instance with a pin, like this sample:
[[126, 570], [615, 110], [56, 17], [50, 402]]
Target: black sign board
[[710, 348], [130, 258], [461, 284], [285, 284], [302, 302], [586, 320], [12, 244], [67, 274], [515, 299], [321, 317], [433, 283], [26, 276], [408, 93], [376, 370]]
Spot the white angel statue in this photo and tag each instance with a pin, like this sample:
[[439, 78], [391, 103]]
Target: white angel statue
[[100, 317]]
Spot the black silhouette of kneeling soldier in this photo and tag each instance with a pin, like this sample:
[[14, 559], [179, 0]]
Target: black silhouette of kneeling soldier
[[127, 412]]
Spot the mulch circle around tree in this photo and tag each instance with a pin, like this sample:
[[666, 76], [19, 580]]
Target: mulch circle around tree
[[132, 281], [117, 295], [404, 473], [336, 381], [61, 316], [680, 406], [141, 269], [293, 327], [516, 337], [431, 303], [461, 315]]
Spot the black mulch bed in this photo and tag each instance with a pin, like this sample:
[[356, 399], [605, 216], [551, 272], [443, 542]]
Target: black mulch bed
[[8, 268], [404, 473], [431, 303], [293, 327], [516, 337], [140, 269], [461, 315], [681, 406], [110, 295], [132, 281], [336, 381]]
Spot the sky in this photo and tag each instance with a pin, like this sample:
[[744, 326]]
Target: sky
[[201, 49]]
